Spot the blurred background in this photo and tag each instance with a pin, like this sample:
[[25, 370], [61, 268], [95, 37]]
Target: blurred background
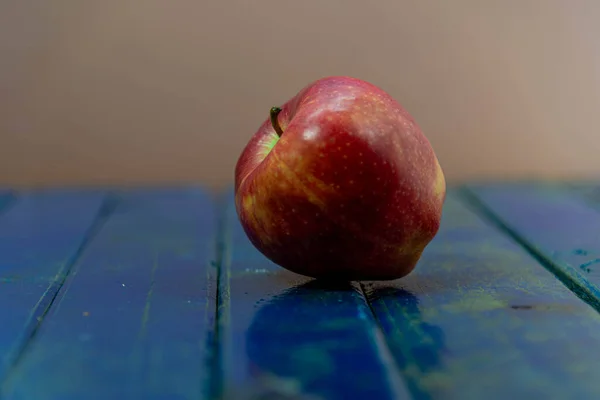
[[155, 91]]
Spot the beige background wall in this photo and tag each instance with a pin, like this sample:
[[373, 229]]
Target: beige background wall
[[138, 91]]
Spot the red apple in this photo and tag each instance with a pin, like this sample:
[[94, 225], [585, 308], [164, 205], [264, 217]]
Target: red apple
[[340, 183]]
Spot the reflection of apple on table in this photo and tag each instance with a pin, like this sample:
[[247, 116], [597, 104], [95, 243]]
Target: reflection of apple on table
[[341, 183], [295, 349]]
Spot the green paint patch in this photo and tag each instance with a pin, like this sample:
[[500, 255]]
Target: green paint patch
[[9, 279], [474, 302], [314, 361]]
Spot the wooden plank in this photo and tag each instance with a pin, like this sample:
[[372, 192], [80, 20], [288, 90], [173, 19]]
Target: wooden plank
[[40, 236], [286, 336], [555, 224], [135, 319], [6, 197], [480, 318], [588, 190]]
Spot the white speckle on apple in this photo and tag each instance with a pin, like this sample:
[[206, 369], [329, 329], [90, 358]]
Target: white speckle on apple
[[310, 134]]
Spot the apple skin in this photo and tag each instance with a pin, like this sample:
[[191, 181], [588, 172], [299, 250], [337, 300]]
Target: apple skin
[[352, 190]]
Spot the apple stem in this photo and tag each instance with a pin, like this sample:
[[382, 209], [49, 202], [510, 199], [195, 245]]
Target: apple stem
[[274, 113]]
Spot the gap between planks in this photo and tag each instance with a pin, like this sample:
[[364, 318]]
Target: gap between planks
[[567, 275], [215, 386], [44, 304]]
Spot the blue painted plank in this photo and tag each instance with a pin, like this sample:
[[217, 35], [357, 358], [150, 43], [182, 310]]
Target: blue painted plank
[[135, 319], [40, 234], [286, 336], [554, 223], [6, 197], [480, 318], [590, 191]]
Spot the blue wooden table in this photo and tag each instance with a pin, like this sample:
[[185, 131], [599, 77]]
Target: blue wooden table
[[158, 294]]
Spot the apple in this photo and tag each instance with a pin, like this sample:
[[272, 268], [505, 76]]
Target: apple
[[340, 183]]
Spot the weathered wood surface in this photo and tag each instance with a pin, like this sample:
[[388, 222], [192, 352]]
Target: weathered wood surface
[[135, 317], [481, 317], [555, 223], [41, 235], [158, 294]]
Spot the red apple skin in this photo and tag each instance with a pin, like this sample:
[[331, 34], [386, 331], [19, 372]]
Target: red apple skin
[[352, 190]]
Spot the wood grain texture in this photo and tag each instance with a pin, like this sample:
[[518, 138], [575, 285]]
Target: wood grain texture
[[289, 337], [480, 318], [149, 294], [40, 237], [135, 318], [553, 222]]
